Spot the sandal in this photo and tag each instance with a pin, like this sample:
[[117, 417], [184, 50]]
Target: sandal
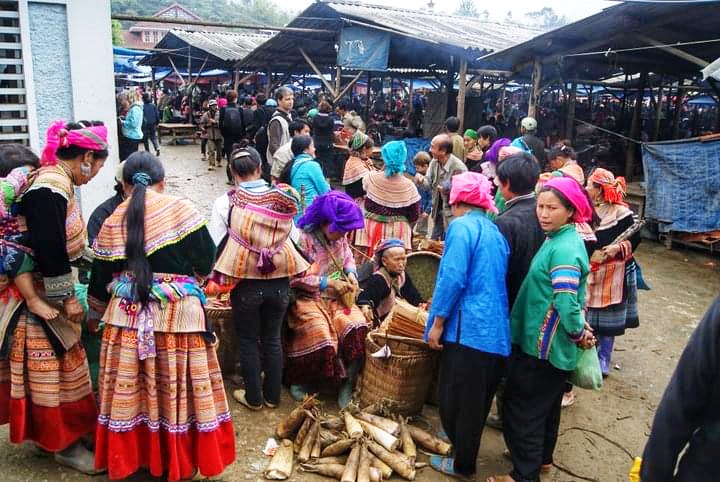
[[545, 468], [568, 399], [239, 396], [446, 465], [500, 478]]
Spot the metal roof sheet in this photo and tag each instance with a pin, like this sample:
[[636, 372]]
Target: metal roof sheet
[[227, 46]]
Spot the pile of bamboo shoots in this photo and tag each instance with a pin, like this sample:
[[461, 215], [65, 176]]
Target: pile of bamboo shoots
[[407, 320], [359, 446]]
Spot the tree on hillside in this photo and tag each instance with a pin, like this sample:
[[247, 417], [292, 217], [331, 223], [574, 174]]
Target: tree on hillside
[[117, 38], [546, 18], [467, 9]]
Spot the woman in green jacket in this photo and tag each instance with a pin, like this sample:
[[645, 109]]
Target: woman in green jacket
[[548, 330]]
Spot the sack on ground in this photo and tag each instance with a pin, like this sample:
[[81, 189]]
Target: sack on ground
[[587, 373]]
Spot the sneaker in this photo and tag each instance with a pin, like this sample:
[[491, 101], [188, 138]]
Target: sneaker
[[269, 404], [239, 396]]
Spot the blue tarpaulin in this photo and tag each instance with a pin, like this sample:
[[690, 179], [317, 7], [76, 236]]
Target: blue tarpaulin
[[363, 49], [414, 145], [683, 185]]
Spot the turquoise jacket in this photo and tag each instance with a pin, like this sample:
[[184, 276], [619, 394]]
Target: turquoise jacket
[[470, 291], [307, 178], [132, 125]]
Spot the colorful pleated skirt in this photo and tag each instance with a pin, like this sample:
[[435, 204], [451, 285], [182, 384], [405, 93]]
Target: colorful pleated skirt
[[167, 413]]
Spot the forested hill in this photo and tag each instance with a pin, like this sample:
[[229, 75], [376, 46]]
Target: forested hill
[[263, 12]]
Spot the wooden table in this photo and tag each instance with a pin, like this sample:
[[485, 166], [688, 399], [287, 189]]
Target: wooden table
[[177, 131]]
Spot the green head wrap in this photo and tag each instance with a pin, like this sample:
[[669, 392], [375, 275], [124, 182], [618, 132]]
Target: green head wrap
[[471, 133], [312, 113], [358, 140]]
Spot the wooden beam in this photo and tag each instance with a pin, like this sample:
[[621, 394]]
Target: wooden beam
[[338, 78], [678, 109], [317, 71], [177, 72], [635, 128], [570, 119], [462, 87], [349, 86], [658, 110], [673, 50], [535, 92]]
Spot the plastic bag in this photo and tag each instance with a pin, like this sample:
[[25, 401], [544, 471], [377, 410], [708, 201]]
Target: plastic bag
[[587, 373]]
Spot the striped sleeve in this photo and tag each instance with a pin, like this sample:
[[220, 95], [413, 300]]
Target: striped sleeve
[[565, 279]]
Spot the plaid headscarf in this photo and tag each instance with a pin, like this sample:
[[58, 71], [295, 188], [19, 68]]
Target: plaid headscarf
[[334, 208], [614, 188], [358, 140], [93, 138]]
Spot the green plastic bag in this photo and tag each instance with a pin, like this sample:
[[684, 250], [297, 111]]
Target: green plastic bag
[[587, 373]]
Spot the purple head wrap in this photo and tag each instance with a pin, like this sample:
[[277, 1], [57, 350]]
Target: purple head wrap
[[493, 154], [336, 209]]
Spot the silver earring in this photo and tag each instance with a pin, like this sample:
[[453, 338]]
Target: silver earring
[[85, 169]]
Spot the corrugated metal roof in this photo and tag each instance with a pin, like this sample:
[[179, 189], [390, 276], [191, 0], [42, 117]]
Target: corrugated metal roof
[[226, 46], [419, 39], [463, 32]]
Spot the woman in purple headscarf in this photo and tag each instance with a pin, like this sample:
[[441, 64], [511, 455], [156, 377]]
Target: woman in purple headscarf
[[325, 340]]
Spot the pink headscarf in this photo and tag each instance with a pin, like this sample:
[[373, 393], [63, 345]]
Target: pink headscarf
[[575, 194], [94, 138], [472, 188], [508, 151]]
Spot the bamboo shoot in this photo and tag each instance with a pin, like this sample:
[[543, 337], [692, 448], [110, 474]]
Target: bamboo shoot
[[429, 442], [375, 475], [302, 433], [380, 436], [328, 470], [363, 473], [352, 427], [281, 465], [398, 462], [315, 452], [308, 443], [293, 421], [338, 448], [385, 470], [333, 423], [330, 460], [408, 444], [389, 426], [327, 437], [351, 467]]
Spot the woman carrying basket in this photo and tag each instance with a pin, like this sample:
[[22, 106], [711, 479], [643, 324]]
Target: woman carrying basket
[[325, 340], [257, 258]]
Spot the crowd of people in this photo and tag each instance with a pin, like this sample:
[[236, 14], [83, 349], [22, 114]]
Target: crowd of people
[[537, 267]]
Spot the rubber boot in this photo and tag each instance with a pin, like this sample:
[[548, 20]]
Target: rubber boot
[[605, 349], [346, 389], [79, 458], [298, 392]]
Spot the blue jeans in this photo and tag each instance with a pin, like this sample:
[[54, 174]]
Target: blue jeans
[[259, 308]]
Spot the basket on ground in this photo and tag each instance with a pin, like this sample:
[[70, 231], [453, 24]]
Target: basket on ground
[[400, 381]]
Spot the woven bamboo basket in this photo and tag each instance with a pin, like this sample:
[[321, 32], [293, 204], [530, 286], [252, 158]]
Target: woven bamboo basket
[[400, 382], [422, 266], [219, 311]]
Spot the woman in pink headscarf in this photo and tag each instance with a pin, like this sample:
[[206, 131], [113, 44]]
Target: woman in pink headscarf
[[548, 331], [468, 320], [45, 390]]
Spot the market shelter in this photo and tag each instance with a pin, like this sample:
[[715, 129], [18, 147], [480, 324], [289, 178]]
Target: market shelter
[[359, 39]]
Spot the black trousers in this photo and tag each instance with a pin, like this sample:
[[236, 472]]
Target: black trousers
[[127, 147], [468, 379], [259, 308], [531, 413]]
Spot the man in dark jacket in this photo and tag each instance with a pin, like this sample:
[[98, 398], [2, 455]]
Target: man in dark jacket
[[529, 141], [688, 413], [516, 178], [151, 119], [231, 123]]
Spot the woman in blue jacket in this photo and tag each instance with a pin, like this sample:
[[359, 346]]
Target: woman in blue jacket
[[469, 320], [306, 175], [131, 125]]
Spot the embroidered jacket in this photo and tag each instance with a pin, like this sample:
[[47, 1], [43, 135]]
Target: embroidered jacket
[[547, 316]]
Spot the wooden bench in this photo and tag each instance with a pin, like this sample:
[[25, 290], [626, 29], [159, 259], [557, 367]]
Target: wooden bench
[[177, 131]]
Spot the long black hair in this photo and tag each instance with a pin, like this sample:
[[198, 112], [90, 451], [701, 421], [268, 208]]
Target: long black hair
[[141, 170]]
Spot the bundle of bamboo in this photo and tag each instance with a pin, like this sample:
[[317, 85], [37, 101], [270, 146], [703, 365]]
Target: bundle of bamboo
[[406, 320], [360, 446]]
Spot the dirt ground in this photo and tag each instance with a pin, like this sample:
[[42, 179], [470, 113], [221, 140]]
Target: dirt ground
[[599, 435]]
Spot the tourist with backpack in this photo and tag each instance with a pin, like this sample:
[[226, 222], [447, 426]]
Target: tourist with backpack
[[231, 126]]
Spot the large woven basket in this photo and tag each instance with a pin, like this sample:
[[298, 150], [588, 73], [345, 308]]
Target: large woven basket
[[400, 382], [221, 315]]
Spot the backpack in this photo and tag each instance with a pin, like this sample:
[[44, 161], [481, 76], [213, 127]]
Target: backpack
[[249, 123], [233, 123]]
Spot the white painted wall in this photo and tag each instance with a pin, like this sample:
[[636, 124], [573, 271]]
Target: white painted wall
[[93, 84]]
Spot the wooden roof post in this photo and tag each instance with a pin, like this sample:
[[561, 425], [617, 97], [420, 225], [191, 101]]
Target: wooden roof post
[[535, 89], [635, 127], [462, 87], [450, 87], [570, 119], [658, 109], [338, 80], [678, 109]]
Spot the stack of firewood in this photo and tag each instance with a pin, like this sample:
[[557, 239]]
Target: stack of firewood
[[358, 446], [406, 320]]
